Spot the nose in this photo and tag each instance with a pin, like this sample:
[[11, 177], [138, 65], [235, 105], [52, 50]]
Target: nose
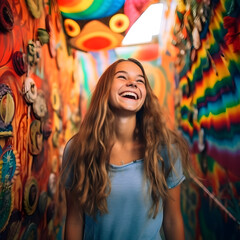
[[131, 83]]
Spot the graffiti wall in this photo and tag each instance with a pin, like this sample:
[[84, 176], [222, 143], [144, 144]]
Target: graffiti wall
[[39, 112], [207, 59], [45, 89]]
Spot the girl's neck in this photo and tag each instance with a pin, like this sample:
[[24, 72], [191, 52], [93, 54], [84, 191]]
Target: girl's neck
[[125, 129], [126, 145]]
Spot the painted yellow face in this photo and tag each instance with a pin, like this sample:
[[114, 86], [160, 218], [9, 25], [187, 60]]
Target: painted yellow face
[[128, 90]]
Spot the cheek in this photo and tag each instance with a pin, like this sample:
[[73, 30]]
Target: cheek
[[112, 96], [144, 93], [114, 90]]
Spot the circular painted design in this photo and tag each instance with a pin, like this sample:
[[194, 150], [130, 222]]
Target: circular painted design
[[7, 109], [55, 98], [102, 42], [7, 165], [30, 90], [71, 27], [6, 201], [6, 17], [40, 105], [119, 23], [19, 63], [31, 193], [55, 139], [36, 137]]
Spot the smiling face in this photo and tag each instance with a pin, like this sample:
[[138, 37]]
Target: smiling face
[[128, 91]]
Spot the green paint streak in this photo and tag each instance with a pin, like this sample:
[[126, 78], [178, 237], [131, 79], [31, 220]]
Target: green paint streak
[[85, 76], [210, 163]]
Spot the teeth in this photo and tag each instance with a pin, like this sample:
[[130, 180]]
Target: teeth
[[125, 94]]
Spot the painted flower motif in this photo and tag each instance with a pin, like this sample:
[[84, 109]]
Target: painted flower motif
[[8, 166]]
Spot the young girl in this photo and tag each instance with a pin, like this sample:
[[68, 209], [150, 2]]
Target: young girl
[[122, 171]]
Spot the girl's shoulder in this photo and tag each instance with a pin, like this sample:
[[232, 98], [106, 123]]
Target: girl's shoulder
[[67, 149], [172, 165], [67, 165], [169, 154]]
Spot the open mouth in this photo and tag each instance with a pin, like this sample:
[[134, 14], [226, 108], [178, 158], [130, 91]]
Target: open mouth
[[130, 95]]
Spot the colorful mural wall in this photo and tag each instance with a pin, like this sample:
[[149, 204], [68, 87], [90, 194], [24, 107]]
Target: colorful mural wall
[[97, 25], [46, 86], [39, 112], [206, 37], [45, 90]]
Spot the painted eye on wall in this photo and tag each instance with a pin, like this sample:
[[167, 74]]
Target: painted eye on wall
[[119, 23], [71, 27]]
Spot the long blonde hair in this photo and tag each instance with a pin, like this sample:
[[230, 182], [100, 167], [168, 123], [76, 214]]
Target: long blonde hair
[[88, 156]]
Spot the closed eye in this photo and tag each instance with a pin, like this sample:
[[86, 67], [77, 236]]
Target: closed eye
[[141, 81], [121, 76]]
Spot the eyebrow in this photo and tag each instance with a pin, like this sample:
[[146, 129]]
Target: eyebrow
[[139, 75]]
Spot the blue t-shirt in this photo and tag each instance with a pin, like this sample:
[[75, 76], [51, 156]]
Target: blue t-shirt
[[128, 205]]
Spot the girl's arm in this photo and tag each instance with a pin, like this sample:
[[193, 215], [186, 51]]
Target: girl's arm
[[74, 219], [172, 217]]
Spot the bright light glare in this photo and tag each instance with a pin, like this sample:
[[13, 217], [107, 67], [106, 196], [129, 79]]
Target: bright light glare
[[146, 26]]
